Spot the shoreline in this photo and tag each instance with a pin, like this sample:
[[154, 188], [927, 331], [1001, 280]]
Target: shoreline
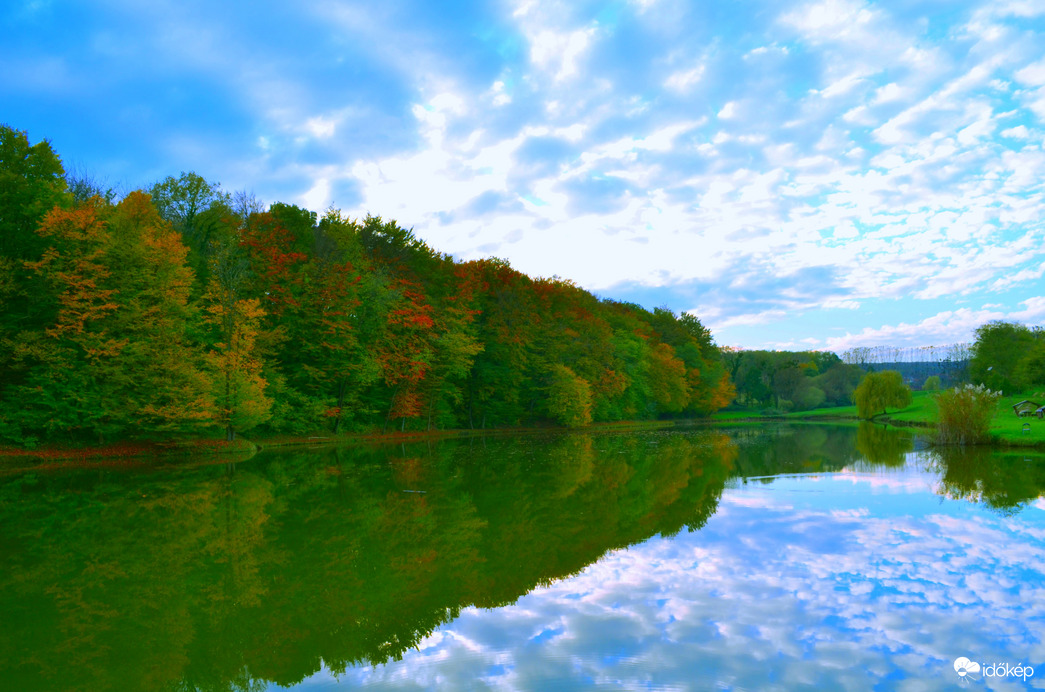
[[130, 453]]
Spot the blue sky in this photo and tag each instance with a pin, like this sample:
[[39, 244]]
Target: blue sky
[[798, 175]]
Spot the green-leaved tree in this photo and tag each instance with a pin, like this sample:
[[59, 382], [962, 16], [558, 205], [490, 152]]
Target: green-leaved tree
[[879, 391]]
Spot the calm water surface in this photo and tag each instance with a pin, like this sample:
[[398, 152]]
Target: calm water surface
[[756, 558]]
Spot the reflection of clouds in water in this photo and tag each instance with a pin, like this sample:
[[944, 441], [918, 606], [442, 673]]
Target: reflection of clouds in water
[[765, 597]]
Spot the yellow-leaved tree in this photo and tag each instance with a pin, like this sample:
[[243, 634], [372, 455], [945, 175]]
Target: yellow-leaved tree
[[234, 360], [569, 397]]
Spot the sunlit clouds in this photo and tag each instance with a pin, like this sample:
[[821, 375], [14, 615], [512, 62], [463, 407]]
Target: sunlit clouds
[[822, 174]]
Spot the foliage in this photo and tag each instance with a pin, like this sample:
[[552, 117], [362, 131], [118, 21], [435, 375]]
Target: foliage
[[32, 182], [1030, 370], [181, 200], [882, 446], [234, 360], [1006, 355], [805, 379], [569, 398], [965, 415], [932, 383], [879, 391], [115, 355]]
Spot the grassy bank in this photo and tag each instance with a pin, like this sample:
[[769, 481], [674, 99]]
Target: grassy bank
[[1006, 428], [922, 411]]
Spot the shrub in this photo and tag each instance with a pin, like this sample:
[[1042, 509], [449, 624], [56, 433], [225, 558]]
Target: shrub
[[809, 398], [932, 384], [879, 390], [965, 415]]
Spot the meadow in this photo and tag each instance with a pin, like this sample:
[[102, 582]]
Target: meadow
[[1006, 428]]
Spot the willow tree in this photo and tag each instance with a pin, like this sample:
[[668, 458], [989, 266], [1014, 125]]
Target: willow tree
[[879, 391]]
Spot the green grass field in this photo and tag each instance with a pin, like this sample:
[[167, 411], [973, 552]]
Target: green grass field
[[921, 410], [1006, 428]]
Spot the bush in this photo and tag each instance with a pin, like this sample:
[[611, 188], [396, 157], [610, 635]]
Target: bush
[[809, 398], [879, 390], [932, 384], [965, 415]]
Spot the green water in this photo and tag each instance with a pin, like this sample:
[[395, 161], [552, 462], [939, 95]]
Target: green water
[[747, 558]]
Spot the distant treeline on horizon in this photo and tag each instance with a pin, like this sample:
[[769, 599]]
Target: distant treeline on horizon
[[1006, 356]]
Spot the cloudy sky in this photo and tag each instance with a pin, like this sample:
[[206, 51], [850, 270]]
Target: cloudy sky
[[796, 174]]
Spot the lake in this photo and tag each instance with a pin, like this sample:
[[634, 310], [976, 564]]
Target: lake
[[754, 557]]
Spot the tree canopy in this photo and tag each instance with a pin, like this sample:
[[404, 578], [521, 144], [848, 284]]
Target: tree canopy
[[879, 391], [1008, 356]]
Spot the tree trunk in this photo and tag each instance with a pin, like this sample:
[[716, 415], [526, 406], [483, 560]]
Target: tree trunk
[[340, 402], [391, 405]]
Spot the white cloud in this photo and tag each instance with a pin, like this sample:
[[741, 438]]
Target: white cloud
[[889, 93], [1018, 132], [560, 52], [830, 19], [500, 94], [318, 196], [321, 127], [950, 326], [683, 80], [843, 86], [1032, 75]]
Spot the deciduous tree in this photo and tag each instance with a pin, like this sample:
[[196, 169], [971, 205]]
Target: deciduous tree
[[879, 391], [239, 388]]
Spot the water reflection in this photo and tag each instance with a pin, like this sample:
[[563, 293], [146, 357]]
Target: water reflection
[[551, 561], [1005, 480], [212, 577]]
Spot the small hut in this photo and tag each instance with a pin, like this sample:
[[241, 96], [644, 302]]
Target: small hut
[[1027, 408]]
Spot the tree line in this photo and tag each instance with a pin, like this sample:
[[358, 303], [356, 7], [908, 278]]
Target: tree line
[[184, 309], [790, 380]]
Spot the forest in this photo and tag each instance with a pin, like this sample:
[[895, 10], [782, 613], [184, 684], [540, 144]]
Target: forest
[[184, 310]]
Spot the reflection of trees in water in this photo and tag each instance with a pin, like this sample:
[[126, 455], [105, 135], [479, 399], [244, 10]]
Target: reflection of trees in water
[[882, 446], [1004, 480], [764, 452], [209, 578]]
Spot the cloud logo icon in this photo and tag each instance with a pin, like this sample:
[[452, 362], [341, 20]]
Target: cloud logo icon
[[963, 667]]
